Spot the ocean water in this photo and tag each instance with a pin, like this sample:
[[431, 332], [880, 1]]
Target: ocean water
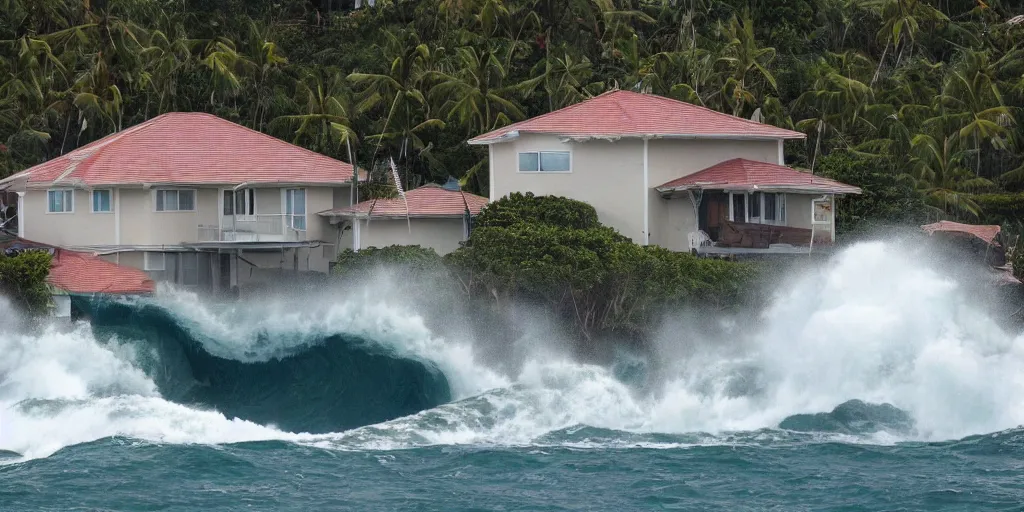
[[870, 383]]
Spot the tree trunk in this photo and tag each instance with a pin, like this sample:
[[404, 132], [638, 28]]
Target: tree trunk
[[880, 63]]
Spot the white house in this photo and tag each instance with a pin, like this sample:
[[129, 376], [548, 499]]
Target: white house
[[669, 173], [431, 216], [189, 198]]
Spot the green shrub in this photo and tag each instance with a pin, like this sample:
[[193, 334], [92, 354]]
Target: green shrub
[[550, 210], [23, 280], [553, 251], [412, 258], [886, 199]]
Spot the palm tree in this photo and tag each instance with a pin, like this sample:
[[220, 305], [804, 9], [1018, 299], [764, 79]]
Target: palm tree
[[406, 111], [936, 167], [475, 94], [743, 57], [971, 97], [325, 121]]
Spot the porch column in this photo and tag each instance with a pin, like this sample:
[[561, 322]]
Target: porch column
[[832, 201], [21, 215], [355, 234]]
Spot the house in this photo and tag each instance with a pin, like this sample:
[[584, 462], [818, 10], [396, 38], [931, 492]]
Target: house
[[189, 198], [669, 173], [80, 274], [970, 242], [431, 216]]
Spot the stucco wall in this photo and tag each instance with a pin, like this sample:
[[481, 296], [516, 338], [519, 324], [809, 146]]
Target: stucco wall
[[441, 235], [672, 227], [80, 227], [141, 224], [607, 175], [668, 159]]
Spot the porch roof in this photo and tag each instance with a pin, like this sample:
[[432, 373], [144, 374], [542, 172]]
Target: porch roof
[[987, 233], [747, 175], [83, 273]]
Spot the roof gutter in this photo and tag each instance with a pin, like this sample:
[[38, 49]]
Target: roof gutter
[[614, 136], [511, 135], [793, 189]]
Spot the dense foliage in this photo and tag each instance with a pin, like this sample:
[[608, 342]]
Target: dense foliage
[[552, 251], [411, 257], [923, 90], [23, 280], [887, 199]]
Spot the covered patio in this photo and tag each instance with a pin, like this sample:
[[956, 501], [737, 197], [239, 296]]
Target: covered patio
[[743, 207]]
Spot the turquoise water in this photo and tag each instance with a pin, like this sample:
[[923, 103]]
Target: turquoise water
[[871, 383], [982, 473]]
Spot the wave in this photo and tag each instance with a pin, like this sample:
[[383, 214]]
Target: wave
[[873, 346], [325, 383]]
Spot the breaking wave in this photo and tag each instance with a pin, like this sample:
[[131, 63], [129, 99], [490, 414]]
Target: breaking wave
[[873, 346]]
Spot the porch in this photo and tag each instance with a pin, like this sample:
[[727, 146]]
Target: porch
[[256, 228], [761, 223]]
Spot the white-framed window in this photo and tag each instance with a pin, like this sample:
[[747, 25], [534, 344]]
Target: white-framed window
[[240, 202], [189, 268], [545, 161], [175, 200], [758, 207], [102, 201], [295, 208], [737, 207], [60, 201], [774, 208], [822, 211], [154, 261], [754, 202]]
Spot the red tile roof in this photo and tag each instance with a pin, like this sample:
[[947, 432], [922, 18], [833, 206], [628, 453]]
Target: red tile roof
[[78, 272], [631, 114], [741, 174], [188, 148], [426, 201], [986, 233]]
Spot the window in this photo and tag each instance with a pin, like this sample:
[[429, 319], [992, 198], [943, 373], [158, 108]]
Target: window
[[172, 200], [770, 208], [545, 161], [60, 201], [755, 207], [190, 269], [153, 261], [739, 206], [781, 201], [823, 211], [241, 202], [295, 208], [101, 201]]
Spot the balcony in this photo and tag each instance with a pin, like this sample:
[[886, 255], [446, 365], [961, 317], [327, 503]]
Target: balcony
[[256, 228]]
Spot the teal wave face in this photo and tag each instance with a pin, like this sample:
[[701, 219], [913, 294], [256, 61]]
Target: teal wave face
[[329, 383]]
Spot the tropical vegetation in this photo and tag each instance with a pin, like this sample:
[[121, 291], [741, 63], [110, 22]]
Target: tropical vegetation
[[23, 280], [923, 93], [553, 253]]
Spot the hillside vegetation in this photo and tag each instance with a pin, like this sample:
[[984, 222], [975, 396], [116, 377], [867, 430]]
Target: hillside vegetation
[[918, 97]]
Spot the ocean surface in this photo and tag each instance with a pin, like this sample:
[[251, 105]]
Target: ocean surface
[[869, 383]]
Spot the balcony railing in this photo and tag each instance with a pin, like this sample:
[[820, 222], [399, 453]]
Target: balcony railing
[[255, 228]]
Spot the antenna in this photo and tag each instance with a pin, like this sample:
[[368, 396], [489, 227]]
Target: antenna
[[401, 192]]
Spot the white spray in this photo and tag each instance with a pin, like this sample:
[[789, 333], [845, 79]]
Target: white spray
[[872, 325]]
